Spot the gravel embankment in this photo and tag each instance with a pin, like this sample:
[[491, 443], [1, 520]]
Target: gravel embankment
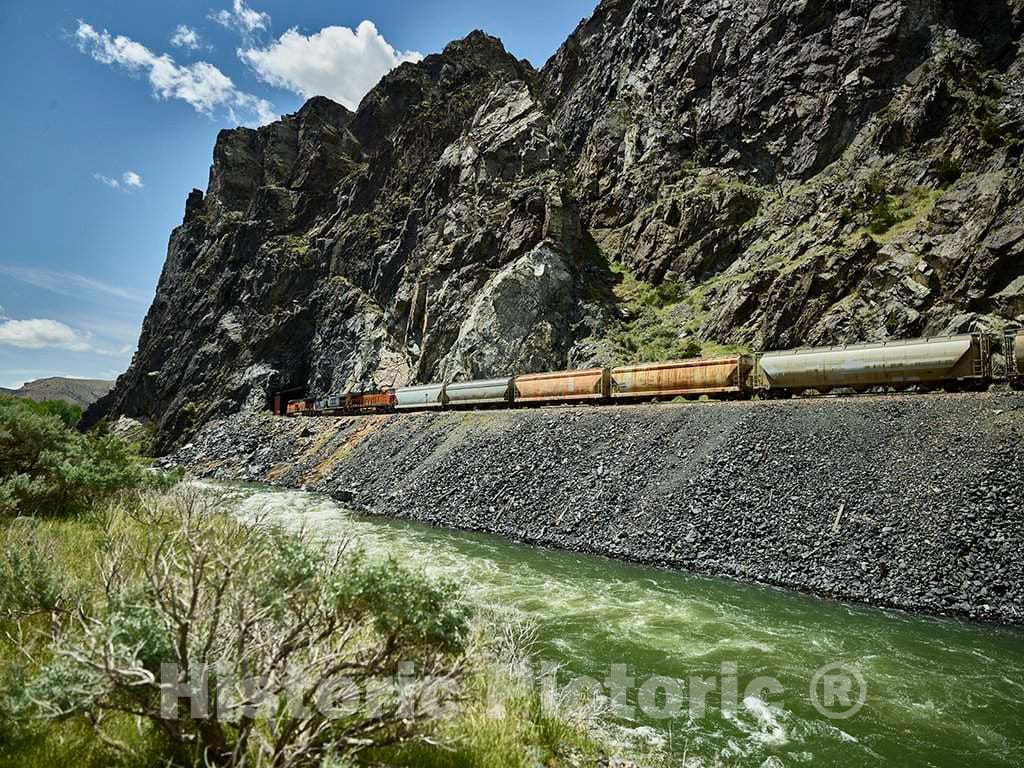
[[906, 501]]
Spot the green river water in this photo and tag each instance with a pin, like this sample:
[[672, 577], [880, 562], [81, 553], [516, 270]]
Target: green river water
[[936, 692]]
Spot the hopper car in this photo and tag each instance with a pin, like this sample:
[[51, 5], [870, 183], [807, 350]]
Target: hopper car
[[947, 362], [721, 376], [562, 386], [960, 361]]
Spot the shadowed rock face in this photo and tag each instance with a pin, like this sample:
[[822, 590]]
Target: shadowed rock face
[[797, 172]]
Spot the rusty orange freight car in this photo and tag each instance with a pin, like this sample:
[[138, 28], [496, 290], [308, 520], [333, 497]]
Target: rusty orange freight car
[[718, 376], [562, 386], [370, 400]]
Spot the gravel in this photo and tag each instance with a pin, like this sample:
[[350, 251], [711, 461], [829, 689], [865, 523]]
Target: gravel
[[910, 502]]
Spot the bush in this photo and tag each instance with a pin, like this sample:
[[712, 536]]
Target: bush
[[69, 414], [650, 338], [875, 188], [92, 607], [992, 131], [948, 171], [883, 217], [307, 647], [48, 467]]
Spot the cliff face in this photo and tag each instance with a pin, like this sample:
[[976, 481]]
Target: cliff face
[[824, 172], [771, 173]]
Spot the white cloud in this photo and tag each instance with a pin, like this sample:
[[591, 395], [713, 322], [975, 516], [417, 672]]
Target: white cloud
[[129, 180], [242, 19], [337, 62], [112, 183], [201, 84], [185, 37], [66, 283], [42, 334]]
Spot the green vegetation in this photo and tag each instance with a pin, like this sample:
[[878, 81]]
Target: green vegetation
[[948, 171], [992, 131], [650, 332], [299, 247], [93, 607], [896, 214], [46, 467], [318, 656], [649, 338], [887, 214], [655, 322]]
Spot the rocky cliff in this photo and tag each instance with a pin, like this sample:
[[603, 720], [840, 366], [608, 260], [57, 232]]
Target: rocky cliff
[[680, 175]]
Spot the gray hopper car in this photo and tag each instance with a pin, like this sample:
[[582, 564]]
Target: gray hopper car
[[480, 392], [1013, 349], [415, 398], [965, 360]]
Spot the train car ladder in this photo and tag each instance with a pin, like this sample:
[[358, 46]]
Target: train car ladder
[[1010, 354], [983, 360]]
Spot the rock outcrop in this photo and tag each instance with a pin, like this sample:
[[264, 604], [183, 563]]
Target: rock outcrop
[[775, 173], [823, 172]]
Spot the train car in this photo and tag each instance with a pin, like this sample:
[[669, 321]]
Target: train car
[[483, 392], [300, 407], [423, 396], [370, 401], [965, 360], [716, 376], [1013, 349], [563, 386]]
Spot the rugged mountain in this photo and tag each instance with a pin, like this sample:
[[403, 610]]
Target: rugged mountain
[[823, 171], [729, 173], [80, 392]]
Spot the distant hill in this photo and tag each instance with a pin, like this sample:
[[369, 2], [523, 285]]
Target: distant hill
[[80, 392]]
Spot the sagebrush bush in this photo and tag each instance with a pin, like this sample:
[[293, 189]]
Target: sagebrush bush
[[245, 602], [47, 467], [93, 606]]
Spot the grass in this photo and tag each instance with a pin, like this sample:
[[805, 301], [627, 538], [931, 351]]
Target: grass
[[524, 736], [659, 322], [528, 734], [650, 332], [71, 545], [894, 215], [299, 247]]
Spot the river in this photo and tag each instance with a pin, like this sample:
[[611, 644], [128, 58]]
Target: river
[[892, 689]]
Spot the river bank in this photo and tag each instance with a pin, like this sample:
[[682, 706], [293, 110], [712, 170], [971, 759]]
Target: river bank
[[937, 692], [908, 502]]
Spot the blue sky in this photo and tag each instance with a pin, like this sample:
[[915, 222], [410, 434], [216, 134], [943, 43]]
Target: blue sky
[[112, 109]]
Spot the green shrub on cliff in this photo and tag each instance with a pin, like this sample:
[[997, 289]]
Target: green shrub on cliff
[[650, 337], [948, 171]]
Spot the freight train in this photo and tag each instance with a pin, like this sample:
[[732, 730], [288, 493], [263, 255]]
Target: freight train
[[947, 363]]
